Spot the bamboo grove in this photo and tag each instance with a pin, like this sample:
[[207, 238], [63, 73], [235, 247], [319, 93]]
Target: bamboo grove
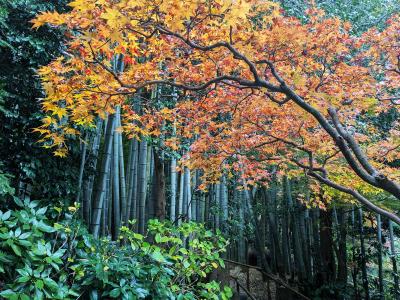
[[308, 246], [260, 125]]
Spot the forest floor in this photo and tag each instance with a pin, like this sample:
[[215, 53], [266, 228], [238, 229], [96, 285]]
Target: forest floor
[[238, 277]]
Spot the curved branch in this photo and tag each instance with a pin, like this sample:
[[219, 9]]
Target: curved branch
[[310, 171], [352, 143], [357, 196], [378, 180], [373, 177], [233, 50]]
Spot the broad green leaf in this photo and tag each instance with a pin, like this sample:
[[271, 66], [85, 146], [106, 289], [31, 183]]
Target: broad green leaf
[[41, 211], [24, 297], [25, 243], [16, 249], [23, 279], [8, 294], [158, 238], [45, 228], [50, 283], [6, 215], [115, 293], [39, 284], [157, 255], [25, 235], [17, 232]]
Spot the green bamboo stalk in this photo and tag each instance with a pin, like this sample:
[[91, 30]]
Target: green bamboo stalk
[[187, 210], [297, 242], [104, 171], [181, 197], [173, 176], [81, 169], [142, 185], [121, 160], [115, 177], [87, 206], [380, 260], [394, 263], [224, 201], [364, 272], [132, 181]]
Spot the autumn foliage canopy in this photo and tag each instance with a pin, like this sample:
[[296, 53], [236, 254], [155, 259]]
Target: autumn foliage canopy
[[258, 93]]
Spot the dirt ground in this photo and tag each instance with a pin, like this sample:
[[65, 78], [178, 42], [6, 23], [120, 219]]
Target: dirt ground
[[251, 280]]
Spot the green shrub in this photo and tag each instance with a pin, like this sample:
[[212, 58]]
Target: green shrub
[[31, 265], [41, 259]]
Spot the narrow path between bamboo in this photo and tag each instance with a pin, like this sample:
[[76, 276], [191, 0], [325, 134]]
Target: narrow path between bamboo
[[271, 277]]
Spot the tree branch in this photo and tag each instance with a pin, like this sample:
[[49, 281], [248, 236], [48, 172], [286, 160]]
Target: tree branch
[[324, 179], [360, 156], [357, 196]]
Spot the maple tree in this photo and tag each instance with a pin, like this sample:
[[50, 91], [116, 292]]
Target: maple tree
[[259, 87]]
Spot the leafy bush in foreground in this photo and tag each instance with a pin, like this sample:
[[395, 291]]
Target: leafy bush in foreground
[[60, 260]]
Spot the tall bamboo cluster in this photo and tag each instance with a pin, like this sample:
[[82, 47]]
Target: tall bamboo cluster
[[316, 249], [124, 180], [334, 253]]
